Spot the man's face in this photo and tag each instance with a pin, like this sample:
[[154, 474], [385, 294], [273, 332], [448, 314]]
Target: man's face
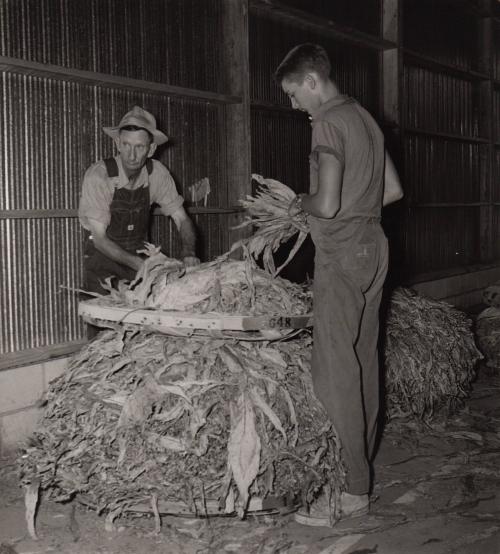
[[302, 95], [134, 147]]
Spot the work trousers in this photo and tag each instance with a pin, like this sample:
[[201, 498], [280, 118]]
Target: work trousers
[[345, 367]]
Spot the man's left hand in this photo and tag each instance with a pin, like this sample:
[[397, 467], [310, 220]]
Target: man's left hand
[[191, 261]]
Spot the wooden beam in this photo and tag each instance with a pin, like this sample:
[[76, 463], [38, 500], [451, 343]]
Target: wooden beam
[[448, 205], [391, 93], [450, 136], [39, 355], [49, 214], [424, 61], [391, 20], [237, 124], [25, 67], [274, 9], [487, 129]]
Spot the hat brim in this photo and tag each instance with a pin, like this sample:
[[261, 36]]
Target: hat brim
[[158, 136]]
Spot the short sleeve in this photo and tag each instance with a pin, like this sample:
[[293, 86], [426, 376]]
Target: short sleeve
[[163, 190], [96, 196], [329, 138]]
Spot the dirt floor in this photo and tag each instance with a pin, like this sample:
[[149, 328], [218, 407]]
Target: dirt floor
[[438, 491]]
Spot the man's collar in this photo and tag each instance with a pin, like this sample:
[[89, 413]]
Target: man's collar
[[141, 180], [338, 100]]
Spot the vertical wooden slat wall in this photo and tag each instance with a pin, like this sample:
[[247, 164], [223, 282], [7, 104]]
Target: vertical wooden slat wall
[[67, 69]]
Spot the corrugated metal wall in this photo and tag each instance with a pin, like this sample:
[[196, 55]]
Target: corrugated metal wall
[[362, 15], [444, 140], [166, 41], [51, 131], [443, 30], [39, 256], [51, 125]]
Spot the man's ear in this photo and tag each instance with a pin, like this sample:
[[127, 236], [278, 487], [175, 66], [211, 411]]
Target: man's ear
[[152, 149], [117, 142], [311, 80]]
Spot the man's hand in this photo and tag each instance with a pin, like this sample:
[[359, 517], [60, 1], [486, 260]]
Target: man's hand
[[109, 248], [295, 207], [149, 249], [191, 261]]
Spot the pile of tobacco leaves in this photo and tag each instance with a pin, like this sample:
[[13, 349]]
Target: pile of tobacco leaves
[[488, 335], [430, 356], [143, 421], [223, 286]]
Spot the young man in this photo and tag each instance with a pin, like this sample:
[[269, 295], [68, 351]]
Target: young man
[[351, 178], [116, 199]]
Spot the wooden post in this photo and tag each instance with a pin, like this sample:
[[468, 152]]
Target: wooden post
[[485, 120], [237, 66], [391, 94], [391, 64]]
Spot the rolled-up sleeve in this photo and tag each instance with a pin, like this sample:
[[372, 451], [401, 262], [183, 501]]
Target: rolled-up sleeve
[[163, 190], [328, 138], [96, 196]]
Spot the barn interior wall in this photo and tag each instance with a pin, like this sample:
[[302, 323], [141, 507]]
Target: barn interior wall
[[66, 70]]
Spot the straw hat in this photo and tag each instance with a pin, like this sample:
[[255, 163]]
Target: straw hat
[[140, 118]]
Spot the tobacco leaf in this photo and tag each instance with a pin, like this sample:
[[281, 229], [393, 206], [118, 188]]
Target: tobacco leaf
[[243, 446]]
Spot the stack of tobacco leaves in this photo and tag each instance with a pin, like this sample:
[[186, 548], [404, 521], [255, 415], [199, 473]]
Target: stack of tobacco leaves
[[488, 335], [429, 353], [223, 286], [143, 421]]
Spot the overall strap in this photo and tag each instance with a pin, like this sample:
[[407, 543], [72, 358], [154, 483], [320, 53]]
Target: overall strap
[[112, 166]]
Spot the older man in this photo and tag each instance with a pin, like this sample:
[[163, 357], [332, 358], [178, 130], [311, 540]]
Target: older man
[[115, 204]]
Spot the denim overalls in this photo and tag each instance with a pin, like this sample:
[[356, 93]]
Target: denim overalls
[[128, 227]]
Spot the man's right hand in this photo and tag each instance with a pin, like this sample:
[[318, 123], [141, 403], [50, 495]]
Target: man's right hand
[[295, 207], [109, 248]]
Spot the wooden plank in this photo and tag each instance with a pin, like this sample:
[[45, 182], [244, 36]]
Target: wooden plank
[[430, 63], [47, 214], [273, 9], [487, 129], [451, 136], [448, 205], [391, 71], [66, 74], [390, 87], [160, 319], [391, 20], [37, 214], [39, 355]]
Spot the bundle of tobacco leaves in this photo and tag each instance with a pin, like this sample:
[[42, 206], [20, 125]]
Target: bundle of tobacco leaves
[[491, 295], [429, 353], [224, 286], [488, 335], [267, 215], [199, 426]]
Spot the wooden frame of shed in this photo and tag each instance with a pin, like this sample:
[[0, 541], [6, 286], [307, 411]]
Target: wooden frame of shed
[[205, 69]]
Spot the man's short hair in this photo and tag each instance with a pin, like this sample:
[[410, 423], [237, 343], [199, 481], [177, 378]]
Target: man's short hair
[[136, 128], [301, 60]]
